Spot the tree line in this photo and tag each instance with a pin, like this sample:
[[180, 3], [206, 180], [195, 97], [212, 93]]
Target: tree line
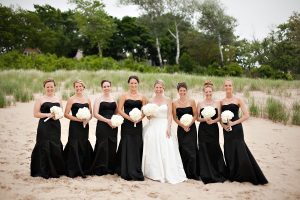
[[191, 36]]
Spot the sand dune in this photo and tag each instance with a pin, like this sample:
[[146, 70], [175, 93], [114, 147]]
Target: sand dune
[[275, 147]]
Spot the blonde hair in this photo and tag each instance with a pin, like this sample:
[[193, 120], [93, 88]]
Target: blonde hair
[[228, 80], [159, 81], [207, 84], [80, 82]]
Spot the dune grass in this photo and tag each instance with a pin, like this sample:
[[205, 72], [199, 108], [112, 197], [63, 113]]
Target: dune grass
[[21, 85], [296, 113], [277, 111]]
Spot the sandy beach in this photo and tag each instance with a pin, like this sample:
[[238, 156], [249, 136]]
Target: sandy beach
[[275, 147]]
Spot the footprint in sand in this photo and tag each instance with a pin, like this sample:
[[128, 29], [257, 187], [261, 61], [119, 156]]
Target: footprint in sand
[[152, 195]]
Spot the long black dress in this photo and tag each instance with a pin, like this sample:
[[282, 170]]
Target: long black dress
[[130, 151], [239, 160], [78, 153], [187, 142], [211, 162], [106, 144], [47, 156]]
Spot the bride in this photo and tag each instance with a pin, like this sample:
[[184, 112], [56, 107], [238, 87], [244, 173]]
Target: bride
[[161, 159]]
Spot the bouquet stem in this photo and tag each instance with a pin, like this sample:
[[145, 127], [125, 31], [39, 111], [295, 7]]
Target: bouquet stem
[[47, 119]]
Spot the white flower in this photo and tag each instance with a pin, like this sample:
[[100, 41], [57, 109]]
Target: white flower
[[208, 112], [83, 113], [226, 116], [135, 114], [57, 112], [186, 119], [150, 109], [117, 120]]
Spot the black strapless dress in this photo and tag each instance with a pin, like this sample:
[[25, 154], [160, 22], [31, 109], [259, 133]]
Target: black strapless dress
[[47, 156], [78, 152], [187, 142], [241, 164], [130, 150], [106, 143], [211, 162]]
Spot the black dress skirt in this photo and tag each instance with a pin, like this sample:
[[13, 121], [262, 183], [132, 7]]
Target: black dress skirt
[[47, 156], [130, 150], [241, 164], [212, 167], [106, 142], [187, 142], [78, 153]]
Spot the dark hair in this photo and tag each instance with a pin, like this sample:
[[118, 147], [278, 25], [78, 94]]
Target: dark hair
[[103, 81], [49, 80], [207, 84], [133, 77], [181, 85]]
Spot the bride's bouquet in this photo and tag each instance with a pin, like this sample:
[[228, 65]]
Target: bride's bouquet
[[226, 116], [117, 120], [57, 113], [135, 114], [186, 119], [83, 114], [208, 112], [150, 109]]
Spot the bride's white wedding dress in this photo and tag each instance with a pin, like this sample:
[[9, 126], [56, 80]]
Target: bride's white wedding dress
[[161, 158]]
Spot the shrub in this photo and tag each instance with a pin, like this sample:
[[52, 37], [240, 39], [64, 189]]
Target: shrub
[[233, 69], [2, 100], [253, 108]]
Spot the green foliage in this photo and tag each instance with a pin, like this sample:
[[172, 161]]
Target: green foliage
[[276, 111], [186, 63], [296, 113], [233, 69]]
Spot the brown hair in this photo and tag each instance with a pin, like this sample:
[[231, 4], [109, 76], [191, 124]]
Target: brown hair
[[159, 82], [103, 81], [49, 80], [80, 82], [133, 77], [207, 84], [181, 85]]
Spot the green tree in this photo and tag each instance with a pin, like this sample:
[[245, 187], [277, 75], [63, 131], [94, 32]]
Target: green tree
[[215, 22], [94, 23]]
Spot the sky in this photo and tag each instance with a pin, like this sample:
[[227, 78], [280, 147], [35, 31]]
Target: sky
[[255, 18]]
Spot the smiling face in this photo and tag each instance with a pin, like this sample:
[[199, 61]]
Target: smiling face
[[49, 88], [106, 87], [133, 84], [159, 89], [208, 92], [78, 88], [228, 86], [182, 91]]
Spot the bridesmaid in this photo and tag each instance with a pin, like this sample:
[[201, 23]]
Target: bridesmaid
[[187, 135], [47, 156], [240, 162], [106, 143], [78, 151], [130, 149], [212, 167]]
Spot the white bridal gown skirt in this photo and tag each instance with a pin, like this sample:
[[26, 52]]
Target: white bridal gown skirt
[[161, 158]]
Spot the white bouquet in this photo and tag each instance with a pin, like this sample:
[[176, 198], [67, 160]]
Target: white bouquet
[[186, 119], [208, 112], [57, 113], [83, 114], [135, 114], [226, 116], [150, 109], [117, 120]]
